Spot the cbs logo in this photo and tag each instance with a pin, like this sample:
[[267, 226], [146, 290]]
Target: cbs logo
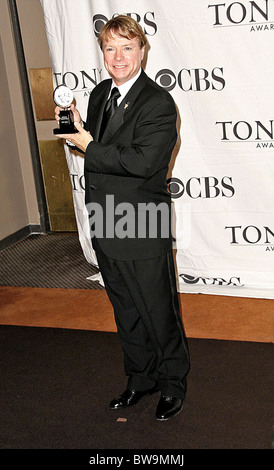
[[191, 79], [147, 22]]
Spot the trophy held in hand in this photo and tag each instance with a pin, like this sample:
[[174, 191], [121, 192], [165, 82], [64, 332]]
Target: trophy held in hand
[[63, 98]]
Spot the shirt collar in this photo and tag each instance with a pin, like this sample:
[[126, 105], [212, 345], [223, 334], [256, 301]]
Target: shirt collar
[[125, 87]]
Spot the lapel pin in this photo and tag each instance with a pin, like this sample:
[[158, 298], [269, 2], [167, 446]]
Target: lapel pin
[[126, 105]]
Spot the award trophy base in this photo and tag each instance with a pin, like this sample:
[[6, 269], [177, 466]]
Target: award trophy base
[[66, 125]]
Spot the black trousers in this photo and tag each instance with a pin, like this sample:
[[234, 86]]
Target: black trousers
[[144, 297]]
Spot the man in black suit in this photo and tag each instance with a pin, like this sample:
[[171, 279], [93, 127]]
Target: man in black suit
[[126, 163]]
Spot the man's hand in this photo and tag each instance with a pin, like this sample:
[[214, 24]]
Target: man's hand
[[76, 114], [80, 139]]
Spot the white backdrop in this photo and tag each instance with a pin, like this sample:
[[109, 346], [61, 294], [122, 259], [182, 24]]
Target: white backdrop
[[216, 59]]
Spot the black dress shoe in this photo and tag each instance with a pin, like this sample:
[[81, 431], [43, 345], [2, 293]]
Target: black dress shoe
[[127, 398], [168, 407]]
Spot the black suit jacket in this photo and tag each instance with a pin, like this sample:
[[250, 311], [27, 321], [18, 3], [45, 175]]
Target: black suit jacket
[[129, 165]]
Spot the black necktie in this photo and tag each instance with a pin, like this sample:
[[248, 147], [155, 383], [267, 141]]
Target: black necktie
[[110, 107]]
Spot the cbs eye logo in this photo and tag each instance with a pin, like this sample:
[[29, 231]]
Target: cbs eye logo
[[166, 79], [99, 22], [175, 187]]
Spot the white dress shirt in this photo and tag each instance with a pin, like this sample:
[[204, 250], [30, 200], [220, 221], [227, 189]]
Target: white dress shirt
[[125, 87]]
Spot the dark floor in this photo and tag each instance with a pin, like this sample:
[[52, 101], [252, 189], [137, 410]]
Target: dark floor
[[50, 260], [57, 383]]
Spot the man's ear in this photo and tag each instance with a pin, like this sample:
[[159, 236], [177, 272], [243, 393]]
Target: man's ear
[[143, 51]]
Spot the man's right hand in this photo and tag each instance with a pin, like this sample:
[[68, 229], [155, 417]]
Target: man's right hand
[[76, 114]]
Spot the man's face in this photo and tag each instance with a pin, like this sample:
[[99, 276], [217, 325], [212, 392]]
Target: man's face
[[122, 58]]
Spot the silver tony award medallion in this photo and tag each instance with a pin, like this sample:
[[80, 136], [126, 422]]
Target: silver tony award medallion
[[63, 97]]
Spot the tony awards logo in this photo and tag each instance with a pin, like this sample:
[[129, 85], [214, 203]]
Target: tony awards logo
[[63, 97]]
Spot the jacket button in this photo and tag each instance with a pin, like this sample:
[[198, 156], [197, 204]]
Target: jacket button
[[92, 186]]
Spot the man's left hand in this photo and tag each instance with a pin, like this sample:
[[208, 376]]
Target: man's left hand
[[80, 139]]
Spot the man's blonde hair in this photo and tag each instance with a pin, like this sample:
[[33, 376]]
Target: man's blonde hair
[[123, 26]]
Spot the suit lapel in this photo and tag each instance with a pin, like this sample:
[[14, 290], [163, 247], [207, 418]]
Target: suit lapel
[[102, 99], [115, 122], [125, 106]]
